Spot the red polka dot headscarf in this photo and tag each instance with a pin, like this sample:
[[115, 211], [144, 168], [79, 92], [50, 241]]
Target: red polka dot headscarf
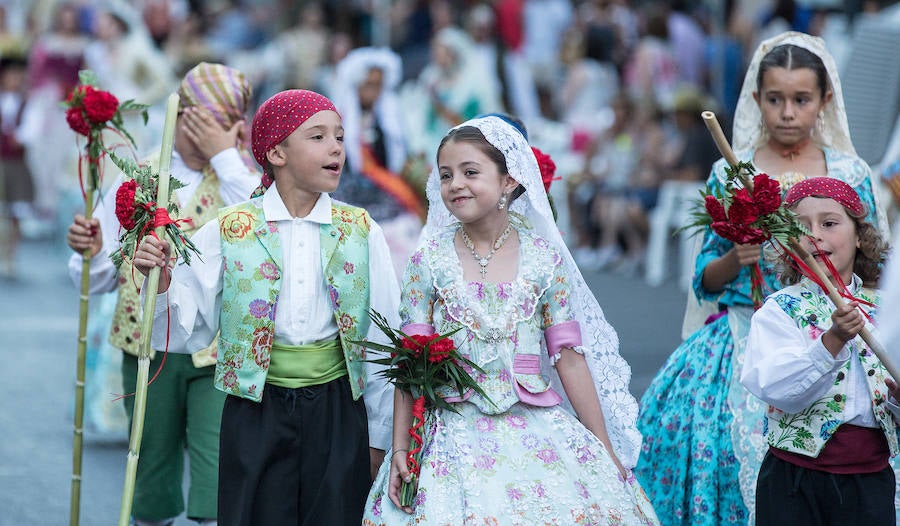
[[279, 116], [828, 187]]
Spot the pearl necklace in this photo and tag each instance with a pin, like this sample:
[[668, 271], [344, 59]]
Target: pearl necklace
[[484, 260]]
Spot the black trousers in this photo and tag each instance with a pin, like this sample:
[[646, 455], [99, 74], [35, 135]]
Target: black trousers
[[789, 495], [298, 457]]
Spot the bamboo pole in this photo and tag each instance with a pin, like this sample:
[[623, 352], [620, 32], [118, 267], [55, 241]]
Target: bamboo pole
[[712, 124], [78, 426], [151, 284]]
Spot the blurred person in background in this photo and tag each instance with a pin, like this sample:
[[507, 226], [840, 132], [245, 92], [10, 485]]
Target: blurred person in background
[[130, 66], [375, 142], [515, 86], [53, 65], [451, 89], [651, 73], [16, 185]]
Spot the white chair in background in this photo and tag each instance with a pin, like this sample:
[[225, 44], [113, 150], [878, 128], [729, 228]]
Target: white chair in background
[[672, 211]]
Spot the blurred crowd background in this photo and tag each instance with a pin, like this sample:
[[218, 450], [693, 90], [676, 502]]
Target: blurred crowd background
[[611, 89]]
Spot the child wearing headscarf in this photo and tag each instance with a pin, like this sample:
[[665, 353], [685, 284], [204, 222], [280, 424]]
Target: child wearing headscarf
[[831, 423], [212, 159], [286, 283]]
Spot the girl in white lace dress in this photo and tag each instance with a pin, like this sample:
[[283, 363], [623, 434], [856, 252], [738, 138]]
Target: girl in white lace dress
[[554, 439]]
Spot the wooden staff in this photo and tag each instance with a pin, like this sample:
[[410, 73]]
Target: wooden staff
[[712, 124], [143, 373], [78, 431]]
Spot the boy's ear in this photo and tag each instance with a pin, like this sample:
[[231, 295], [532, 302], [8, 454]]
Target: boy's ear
[[276, 156]]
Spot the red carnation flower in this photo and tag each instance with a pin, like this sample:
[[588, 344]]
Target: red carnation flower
[[440, 350], [125, 204], [75, 118], [740, 234], [547, 167], [715, 209], [100, 106], [766, 194], [743, 210]]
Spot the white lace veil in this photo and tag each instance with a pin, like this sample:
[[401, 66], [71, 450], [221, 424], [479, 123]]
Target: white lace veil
[[749, 133], [610, 372]]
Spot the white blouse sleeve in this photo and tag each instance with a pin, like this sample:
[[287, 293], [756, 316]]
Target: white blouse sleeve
[[384, 295], [890, 303], [236, 180], [188, 312], [782, 366]]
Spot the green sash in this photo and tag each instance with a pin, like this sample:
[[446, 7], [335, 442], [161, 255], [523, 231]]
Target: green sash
[[315, 363]]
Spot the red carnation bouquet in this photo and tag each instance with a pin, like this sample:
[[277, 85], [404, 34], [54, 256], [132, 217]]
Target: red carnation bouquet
[[749, 212], [429, 367], [138, 214], [90, 111]]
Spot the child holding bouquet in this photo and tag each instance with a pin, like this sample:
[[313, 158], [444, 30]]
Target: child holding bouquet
[[284, 283], [550, 438], [703, 432], [831, 425]]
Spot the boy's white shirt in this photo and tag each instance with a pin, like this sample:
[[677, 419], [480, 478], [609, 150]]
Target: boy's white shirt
[[787, 370], [236, 183], [303, 313]]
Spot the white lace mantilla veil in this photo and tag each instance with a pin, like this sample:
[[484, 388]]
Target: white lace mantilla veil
[[610, 372]]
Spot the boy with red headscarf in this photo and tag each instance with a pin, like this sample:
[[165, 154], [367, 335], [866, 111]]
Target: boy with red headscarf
[[287, 280]]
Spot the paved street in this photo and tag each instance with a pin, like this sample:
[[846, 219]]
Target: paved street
[[38, 326]]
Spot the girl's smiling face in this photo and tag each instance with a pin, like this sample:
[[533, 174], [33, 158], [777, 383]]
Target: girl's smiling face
[[833, 230], [471, 183]]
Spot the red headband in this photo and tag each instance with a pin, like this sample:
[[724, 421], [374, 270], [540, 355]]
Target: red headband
[[280, 115], [828, 187]]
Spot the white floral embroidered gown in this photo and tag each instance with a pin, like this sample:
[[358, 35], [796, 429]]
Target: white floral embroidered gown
[[509, 462]]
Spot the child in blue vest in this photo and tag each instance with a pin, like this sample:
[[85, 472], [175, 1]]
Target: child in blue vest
[[286, 280], [833, 413]]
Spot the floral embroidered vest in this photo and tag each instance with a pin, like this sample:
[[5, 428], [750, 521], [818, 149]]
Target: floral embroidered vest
[[807, 432], [252, 255], [125, 332]]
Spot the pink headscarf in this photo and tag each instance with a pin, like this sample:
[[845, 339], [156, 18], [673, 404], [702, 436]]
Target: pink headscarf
[[830, 188], [278, 117]]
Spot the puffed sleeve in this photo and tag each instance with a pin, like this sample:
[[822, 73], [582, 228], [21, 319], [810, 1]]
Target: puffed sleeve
[[417, 296], [561, 328]]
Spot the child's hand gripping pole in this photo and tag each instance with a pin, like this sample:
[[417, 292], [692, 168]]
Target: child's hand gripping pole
[[143, 373], [712, 124]]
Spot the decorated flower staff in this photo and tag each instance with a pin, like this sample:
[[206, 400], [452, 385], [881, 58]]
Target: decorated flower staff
[[756, 215], [90, 112], [161, 228], [212, 168]]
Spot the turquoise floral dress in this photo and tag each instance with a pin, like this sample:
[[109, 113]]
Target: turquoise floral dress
[[501, 460], [703, 432]]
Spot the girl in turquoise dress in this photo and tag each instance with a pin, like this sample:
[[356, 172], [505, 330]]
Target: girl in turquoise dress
[[554, 438], [703, 441]]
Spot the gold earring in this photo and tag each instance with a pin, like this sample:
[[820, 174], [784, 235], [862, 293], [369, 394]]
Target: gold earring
[[820, 123]]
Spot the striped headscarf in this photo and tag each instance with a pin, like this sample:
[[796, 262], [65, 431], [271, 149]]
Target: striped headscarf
[[225, 92]]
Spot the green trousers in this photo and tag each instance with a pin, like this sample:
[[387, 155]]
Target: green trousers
[[184, 411]]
